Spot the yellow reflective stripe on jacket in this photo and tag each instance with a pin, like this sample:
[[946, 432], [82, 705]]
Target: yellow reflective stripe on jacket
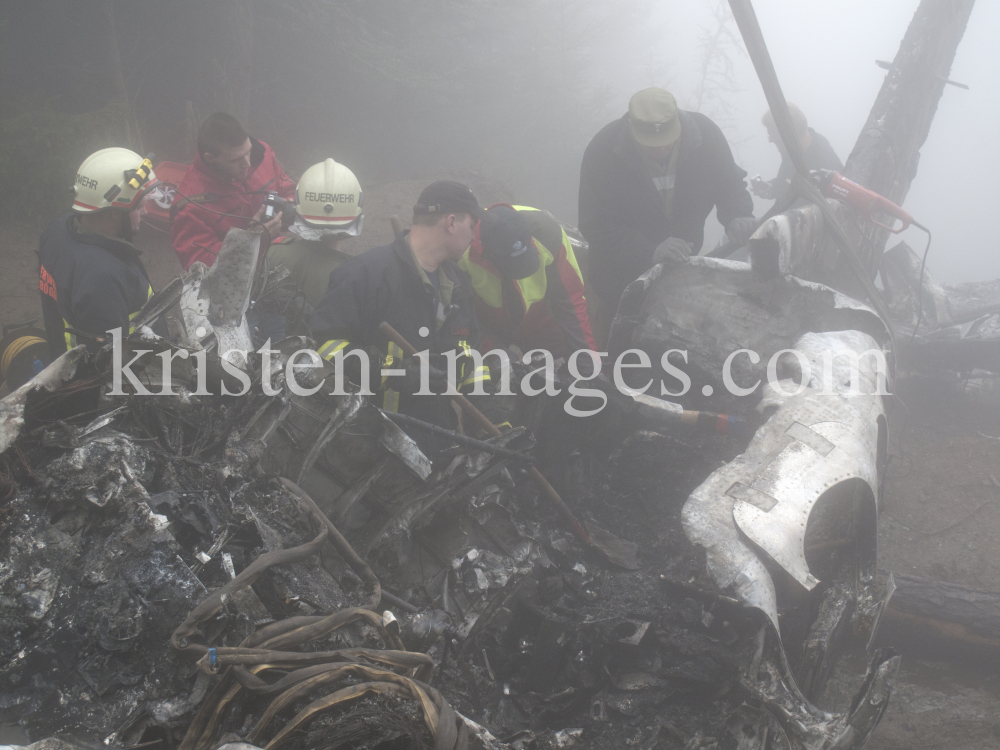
[[331, 347], [479, 374], [567, 245], [468, 375], [390, 398], [70, 338], [131, 316], [488, 286]]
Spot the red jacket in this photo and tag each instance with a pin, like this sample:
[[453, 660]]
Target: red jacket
[[198, 228], [544, 311]]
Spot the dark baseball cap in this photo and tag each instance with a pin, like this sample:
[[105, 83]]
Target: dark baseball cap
[[506, 240], [447, 197]]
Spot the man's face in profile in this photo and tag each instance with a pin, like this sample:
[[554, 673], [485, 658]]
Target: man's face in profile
[[232, 162], [461, 228]]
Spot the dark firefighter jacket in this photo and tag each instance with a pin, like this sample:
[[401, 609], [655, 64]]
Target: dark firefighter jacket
[[544, 311], [386, 284], [89, 283], [198, 224], [622, 215]]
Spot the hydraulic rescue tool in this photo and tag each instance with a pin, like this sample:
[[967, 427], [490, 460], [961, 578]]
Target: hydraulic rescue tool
[[869, 203], [835, 185]]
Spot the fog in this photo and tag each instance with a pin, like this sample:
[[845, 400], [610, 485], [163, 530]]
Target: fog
[[511, 91]]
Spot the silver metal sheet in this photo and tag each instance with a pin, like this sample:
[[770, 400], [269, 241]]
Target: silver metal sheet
[[711, 308], [402, 446], [811, 444]]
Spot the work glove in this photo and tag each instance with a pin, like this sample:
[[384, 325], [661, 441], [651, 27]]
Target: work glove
[[739, 230], [672, 250]]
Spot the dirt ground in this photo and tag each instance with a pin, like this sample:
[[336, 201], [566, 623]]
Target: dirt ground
[[941, 519], [940, 513]]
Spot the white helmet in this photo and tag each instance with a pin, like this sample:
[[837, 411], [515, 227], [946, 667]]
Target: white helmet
[[112, 178], [328, 199]]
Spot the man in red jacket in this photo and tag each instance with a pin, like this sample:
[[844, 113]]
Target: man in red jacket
[[224, 188]]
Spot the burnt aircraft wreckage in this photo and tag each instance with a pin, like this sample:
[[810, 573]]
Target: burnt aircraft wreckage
[[195, 570], [282, 570]]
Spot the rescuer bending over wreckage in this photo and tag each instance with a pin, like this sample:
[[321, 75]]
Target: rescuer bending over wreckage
[[529, 289], [416, 286], [647, 183]]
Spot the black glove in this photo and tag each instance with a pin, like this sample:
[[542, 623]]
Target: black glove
[[739, 230]]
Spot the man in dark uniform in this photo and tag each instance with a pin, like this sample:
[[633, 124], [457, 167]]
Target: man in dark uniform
[[91, 278], [817, 149], [416, 286], [648, 181]]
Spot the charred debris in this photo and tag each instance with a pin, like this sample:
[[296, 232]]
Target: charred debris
[[286, 570], [296, 571]]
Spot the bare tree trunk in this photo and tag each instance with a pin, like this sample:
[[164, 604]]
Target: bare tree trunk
[[938, 612], [886, 154], [133, 138]]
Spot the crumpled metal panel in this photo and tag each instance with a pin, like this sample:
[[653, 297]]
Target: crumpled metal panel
[[811, 444], [401, 445], [972, 299], [215, 300], [60, 371], [908, 283], [711, 307], [793, 242], [707, 518]]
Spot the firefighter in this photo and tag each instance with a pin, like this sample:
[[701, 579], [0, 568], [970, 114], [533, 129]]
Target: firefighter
[[91, 277], [328, 209], [416, 286], [531, 298], [648, 181], [225, 187]]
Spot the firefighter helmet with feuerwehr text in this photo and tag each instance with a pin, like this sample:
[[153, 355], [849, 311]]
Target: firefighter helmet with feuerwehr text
[[112, 178], [328, 197]]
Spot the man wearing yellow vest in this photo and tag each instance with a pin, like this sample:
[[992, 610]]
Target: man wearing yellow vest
[[529, 289], [91, 277], [415, 285]]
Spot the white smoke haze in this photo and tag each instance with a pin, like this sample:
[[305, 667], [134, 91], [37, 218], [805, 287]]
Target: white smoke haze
[[824, 52]]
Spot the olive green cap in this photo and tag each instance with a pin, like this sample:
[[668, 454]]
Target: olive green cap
[[652, 116]]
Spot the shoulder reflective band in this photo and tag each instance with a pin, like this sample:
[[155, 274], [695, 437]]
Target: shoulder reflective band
[[331, 347]]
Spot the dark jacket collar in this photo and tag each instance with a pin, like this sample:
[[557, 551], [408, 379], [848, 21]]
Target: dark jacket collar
[[119, 247], [405, 255]]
